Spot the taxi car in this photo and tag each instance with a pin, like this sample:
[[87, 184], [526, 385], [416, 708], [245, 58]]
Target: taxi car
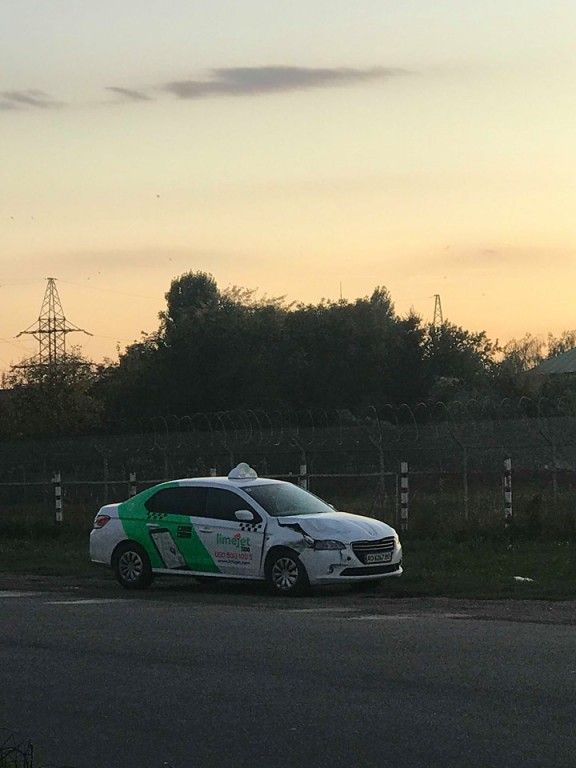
[[241, 527]]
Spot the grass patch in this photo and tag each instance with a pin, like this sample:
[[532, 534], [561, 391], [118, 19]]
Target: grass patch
[[32, 542], [463, 564], [57, 556], [482, 568]]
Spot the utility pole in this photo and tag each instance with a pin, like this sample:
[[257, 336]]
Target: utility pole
[[438, 320], [51, 329]]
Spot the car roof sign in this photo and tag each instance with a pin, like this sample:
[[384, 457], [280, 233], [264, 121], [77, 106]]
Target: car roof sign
[[242, 471]]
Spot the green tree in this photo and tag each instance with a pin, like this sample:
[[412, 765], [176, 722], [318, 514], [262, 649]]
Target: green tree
[[52, 399], [563, 343], [132, 390], [517, 357], [350, 354], [190, 298], [214, 350], [458, 362], [224, 350]]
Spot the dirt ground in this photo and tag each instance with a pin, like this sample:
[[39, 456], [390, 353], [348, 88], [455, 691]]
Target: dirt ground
[[334, 599]]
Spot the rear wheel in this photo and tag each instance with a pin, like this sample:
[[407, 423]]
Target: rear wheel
[[286, 575], [132, 567]]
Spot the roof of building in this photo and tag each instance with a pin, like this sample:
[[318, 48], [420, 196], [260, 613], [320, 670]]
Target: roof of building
[[564, 363]]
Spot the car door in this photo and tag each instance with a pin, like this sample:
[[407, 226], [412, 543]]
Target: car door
[[171, 535], [234, 546]]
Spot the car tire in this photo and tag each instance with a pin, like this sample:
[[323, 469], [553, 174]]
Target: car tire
[[132, 566], [285, 574]]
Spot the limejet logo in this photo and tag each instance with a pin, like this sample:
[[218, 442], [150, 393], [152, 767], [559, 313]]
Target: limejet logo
[[239, 541]]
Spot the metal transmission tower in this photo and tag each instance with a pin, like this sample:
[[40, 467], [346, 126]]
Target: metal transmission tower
[[51, 329], [438, 320]]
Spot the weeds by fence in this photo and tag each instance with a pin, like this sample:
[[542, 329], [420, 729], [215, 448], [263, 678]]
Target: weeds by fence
[[18, 752], [15, 751], [455, 452]]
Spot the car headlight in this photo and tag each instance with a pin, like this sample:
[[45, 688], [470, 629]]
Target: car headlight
[[329, 544]]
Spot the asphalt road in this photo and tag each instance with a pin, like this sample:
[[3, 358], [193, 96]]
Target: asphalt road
[[100, 678]]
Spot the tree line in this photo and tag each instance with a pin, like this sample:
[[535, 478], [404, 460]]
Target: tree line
[[226, 349]]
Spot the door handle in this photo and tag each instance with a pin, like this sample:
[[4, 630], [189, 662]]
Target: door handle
[[152, 525], [205, 530]]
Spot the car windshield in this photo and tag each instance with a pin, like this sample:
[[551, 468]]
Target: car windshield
[[285, 499]]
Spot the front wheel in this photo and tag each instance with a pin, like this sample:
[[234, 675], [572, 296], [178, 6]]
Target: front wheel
[[132, 567], [286, 575]]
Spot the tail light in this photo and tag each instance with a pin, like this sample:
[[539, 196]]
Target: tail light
[[101, 521]]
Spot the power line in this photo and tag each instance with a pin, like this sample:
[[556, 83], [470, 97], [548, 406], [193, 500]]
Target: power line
[[109, 290]]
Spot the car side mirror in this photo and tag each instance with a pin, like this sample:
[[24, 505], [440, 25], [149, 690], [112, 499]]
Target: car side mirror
[[244, 515]]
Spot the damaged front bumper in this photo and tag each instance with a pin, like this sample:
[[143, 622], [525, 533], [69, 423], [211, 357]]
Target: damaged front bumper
[[333, 567]]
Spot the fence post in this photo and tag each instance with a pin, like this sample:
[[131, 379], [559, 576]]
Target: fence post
[[57, 485], [508, 513], [303, 475], [132, 487], [554, 477], [404, 496]]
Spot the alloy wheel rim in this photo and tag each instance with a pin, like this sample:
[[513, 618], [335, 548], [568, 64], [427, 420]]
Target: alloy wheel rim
[[285, 574], [130, 566]]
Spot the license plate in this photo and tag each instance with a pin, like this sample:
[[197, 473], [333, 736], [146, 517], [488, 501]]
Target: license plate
[[378, 557]]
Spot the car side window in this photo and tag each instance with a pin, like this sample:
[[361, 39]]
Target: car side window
[[222, 504], [184, 500]]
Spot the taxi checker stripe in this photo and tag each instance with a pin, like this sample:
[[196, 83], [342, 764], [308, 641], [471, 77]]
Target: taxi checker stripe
[[250, 527], [156, 515]]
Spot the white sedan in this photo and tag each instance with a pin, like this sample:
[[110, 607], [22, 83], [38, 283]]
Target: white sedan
[[241, 527]]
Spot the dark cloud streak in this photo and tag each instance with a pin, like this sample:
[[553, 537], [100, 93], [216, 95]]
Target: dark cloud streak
[[26, 99], [253, 81], [223, 82], [128, 94]]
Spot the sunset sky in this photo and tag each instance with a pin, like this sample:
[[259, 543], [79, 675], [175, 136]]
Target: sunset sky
[[301, 148]]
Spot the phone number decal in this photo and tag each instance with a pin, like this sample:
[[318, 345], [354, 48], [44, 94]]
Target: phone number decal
[[233, 556]]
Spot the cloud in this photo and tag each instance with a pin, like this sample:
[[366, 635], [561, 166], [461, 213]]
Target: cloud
[[221, 82], [27, 99], [128, 94], [253, 81]]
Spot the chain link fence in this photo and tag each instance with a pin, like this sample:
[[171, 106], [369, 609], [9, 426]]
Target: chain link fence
[[455, 453]]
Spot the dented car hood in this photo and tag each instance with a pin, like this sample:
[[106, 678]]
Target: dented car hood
[[338, 525]]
